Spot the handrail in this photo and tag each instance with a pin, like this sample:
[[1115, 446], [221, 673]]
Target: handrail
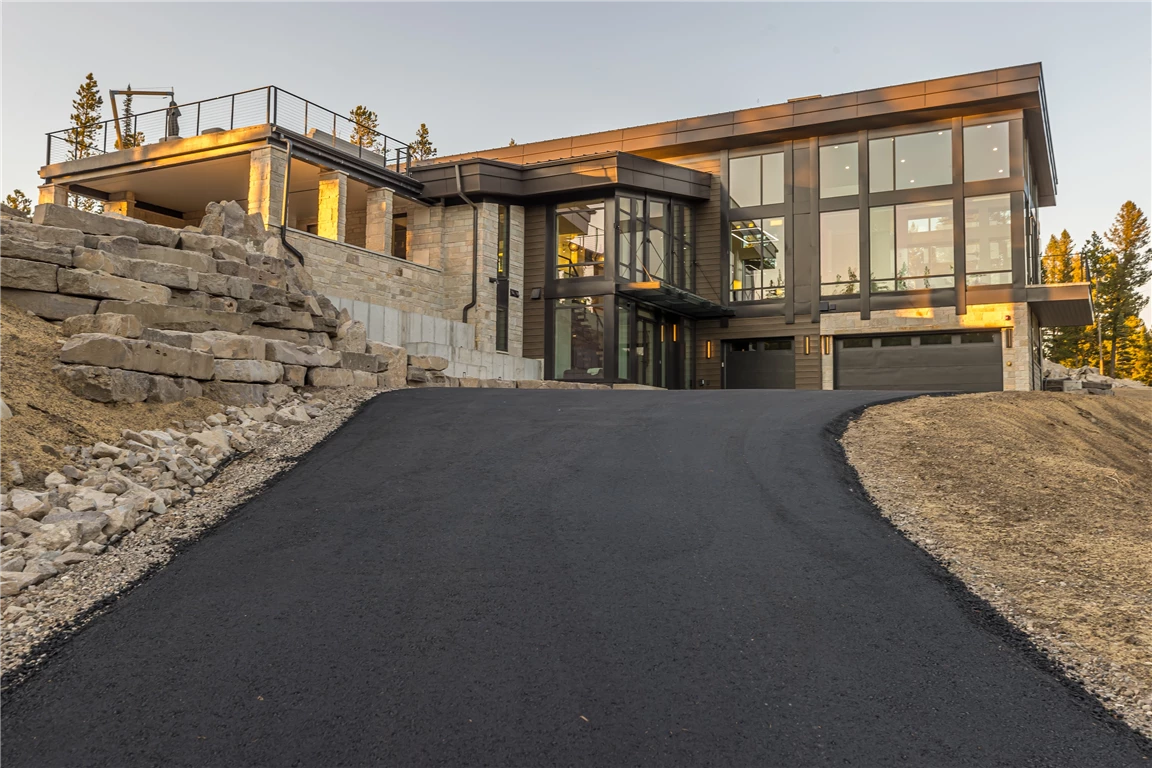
[[269, 105]]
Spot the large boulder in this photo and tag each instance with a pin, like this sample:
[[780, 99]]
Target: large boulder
[[50, 306], [351, 336], [105, 385], [52, 215], [100, 349], [239, 288], [28, 275], [330, 377], [251, 371], [109, 323], [30, 250], [165, 389], [161, 273], [294, 354], [198, 262], [354, 361], [180, 318], [234, 392], [231, 346], [119, 245], [214, 246], [80, 282], [22, 229], [280, 334], [428, 362]]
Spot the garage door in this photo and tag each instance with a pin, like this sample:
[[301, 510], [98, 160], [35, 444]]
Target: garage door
[[759, 364], [953, 362]]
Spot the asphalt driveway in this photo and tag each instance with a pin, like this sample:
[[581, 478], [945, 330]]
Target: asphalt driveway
[[538, 578]]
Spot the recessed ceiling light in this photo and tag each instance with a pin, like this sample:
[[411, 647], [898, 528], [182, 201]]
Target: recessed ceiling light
[[901, 159], [988, 126], [1000, 171], [939, 133], [847, 167], [995, 149], [836, 147]]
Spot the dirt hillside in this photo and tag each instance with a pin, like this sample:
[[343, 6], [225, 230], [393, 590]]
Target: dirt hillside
[[1042, 504], [46, 416]]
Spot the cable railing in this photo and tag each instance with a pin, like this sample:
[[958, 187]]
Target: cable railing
[[260, 106]]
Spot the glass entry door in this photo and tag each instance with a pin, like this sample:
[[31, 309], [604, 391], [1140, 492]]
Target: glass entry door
[[647, 349]]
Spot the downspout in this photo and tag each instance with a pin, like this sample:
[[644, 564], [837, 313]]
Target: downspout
[[475, 240], [284, 206]]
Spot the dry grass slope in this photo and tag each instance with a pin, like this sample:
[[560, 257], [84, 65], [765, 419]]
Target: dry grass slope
[[46, 416], [1042, 503]]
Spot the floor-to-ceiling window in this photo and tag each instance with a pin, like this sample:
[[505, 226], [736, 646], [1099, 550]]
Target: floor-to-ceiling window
[[756, 251], [503, 252], [578, 337], [580, 239]]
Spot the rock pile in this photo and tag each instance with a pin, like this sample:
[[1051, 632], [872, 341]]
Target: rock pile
[[108, 491], [1058, 378]]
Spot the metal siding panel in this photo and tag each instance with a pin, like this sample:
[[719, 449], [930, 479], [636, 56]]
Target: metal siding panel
[[535, 260]]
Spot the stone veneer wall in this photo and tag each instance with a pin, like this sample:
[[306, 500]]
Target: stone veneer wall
[[1018, 361]]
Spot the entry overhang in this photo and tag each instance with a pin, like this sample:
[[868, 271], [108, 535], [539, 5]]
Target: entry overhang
[[1062, 304], [673, 299]]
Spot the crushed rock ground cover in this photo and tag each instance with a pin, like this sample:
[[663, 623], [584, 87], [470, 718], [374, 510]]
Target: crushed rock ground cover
[[46, 613], [1042, 504]]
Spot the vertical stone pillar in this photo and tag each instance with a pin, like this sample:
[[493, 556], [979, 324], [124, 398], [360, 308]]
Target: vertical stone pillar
[[267, 171], [55, 194], [378, 225], [332, 206], [123, 203]]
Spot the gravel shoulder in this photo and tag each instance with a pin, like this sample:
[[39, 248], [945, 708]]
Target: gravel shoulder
[[1042, 504], [45, 614]]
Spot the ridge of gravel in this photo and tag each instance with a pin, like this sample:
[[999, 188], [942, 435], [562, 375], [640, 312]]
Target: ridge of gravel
[[64, 605]]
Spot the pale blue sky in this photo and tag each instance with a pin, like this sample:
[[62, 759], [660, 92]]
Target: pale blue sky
[[479, 74]]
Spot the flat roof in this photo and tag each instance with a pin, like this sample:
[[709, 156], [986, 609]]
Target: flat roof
[[1020, 87]]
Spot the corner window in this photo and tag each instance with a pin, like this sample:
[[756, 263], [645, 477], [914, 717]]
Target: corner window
[[986, 152], [400, 236], [910, 162], [840, 253], [580, 240], [911, 247], [578, 326], [988, 240], [756, 251], [756, 180], [839, 174], [683, 239]]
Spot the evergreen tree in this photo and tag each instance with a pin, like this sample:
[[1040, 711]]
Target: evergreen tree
[[81, 136], [1124, 270], [365, 127], [18, 201], [130, 138], [1134, 352], [1067, 345], [511, 142], [422, 148], [1059, 264]]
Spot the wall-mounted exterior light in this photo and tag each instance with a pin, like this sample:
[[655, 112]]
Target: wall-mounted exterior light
[[708, 349]]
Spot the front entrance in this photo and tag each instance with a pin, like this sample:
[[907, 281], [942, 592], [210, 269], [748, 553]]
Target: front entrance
[[759, 364]]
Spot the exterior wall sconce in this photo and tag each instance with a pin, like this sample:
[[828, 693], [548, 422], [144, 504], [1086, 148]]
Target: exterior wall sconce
[[1008, 338], [826, 345], [807, 345], [537, 293], [708, 350]]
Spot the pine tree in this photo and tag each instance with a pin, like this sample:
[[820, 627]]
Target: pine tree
[[422, 148], [365, 127], [1134, 352], [1059, 264], [1122, 273], [18, 201], [1066, 345], [511, 142], [81, 135], [130, 138]]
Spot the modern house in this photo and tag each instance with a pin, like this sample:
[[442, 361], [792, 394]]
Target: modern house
[[882, 239]]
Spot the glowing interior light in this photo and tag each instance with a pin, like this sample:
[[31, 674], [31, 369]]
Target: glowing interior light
[[995, 149]]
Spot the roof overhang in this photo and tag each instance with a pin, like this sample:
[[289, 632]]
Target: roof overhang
[[594, 173], [1061, 304], [673, 299]]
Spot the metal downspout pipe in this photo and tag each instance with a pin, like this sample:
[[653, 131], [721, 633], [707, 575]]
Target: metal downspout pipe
[[475, 240], [284, 206]]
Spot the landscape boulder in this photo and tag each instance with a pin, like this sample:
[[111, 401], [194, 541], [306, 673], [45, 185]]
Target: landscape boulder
[[251, 371], [81, 282], [52, 215], [31, 250], [50, 306], [105, 385], [99, 349], [109, 323], [28, 275], [351, 336], [330, 377]]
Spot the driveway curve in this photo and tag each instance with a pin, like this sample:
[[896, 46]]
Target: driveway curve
[[538, 578]]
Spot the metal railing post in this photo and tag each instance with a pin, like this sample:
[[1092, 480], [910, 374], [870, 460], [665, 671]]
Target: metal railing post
[[268, 105], [333, 130], [275, 105], [305, 118], [197, 118], [105, 137], [48, 156], [232, 114]]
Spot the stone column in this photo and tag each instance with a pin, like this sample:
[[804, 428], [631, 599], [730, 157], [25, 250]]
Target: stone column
[[56, 194], [378, 226], [123, 203], [332, 206], [267, 169]]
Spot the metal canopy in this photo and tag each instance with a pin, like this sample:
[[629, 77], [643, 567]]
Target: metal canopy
[[1061, 304], [673, 299]]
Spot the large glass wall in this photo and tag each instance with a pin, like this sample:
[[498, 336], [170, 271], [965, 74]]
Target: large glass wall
[[839, 170], [655, 240], [578, 337], [910, 247], [503, 253], [840, 253], [580, 239], [988, 240], [756, 253], [756, 180], [910, 162], [986, 152]]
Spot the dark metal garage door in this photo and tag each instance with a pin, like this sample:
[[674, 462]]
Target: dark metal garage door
[[953, 362], [759, 364]]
